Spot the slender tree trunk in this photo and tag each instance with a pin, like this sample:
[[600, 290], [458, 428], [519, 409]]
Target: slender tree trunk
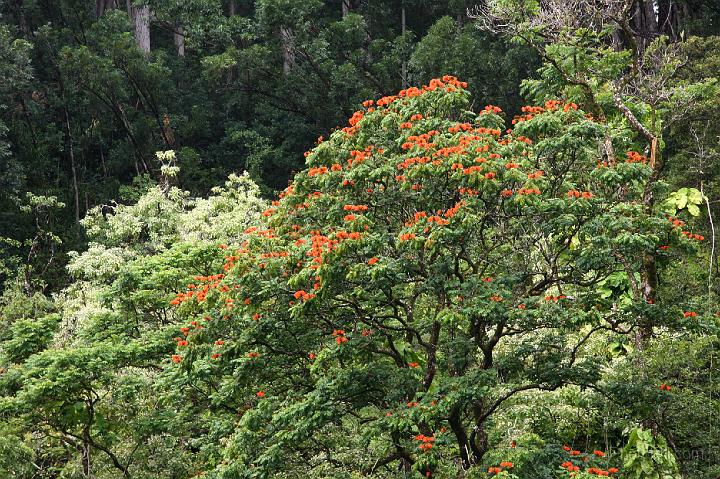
[[232, 8], [19, 9], [73, 167], [104, 164], [286, 43], [179, 38], [140, 16], [404, 67], [645, 22], [86, 464], [101, 6], [346, 7]]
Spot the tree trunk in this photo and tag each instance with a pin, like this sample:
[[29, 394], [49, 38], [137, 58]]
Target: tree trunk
[[86, 464], [101, 6], [73, 168], [346, 7], [404, 67], [286, 43], [645, 23], [140, 16], [232, 8], [670, 19], [179, 37]]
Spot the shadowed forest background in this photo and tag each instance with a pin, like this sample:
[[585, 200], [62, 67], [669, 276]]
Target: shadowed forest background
[[143, 145]]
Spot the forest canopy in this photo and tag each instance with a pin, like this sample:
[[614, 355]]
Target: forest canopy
[[359, 239]]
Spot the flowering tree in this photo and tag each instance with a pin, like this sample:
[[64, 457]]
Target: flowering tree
[[424, 269]]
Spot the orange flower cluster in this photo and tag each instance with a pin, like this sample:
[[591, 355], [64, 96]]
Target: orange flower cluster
[[635, 157], [693, 236], [665, 387], [185, 330], [416, 160], [460, 126], [199, 292], [573, 469], [689, 314], [355, 208], [597, 471], [386, 100], [555, 298], [498, 469], [676, 222], [525, 140], [354, 120], [579, 194], [425, 442], [303, 295], [358, 156], [253, 355], [321, 244], [339, 336], [450, 212], [491, 109], [496, 298], [416, 217], [535, 175], [317, 171], [528, 191], [407, 236], [421, 141], [411, 92], [448, 82], [275, 254], [550, 105]]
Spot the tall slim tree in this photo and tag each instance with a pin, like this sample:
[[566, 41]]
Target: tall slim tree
[[140, 15]]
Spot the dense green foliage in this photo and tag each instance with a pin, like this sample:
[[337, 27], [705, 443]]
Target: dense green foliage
[[446, 288]]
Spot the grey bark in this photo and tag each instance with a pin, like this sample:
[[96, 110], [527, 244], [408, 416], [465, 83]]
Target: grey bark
[[179, 38], [140, 16], [286, 43]]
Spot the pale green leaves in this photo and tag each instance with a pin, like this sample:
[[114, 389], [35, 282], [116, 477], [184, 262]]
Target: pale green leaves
[[688, 199], [648, 457]]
